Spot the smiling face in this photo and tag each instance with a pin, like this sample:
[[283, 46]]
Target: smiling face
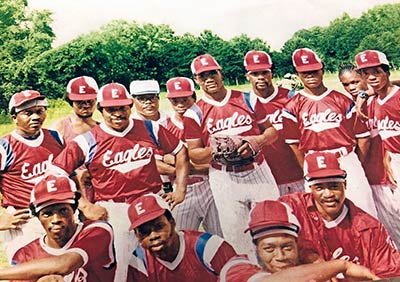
[[329, 198], [117, 118], [59, 224], [211, 82], [158, 236], [277, 252], [28, 122]]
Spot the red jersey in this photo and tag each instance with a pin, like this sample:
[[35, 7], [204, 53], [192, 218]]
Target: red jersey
[[122, 164], [240, 269], [200, 258], [23, 163], [94, 241], [319, 123], [175, 127], [354, 235], [279, 150], [232, 116], [384, 115]]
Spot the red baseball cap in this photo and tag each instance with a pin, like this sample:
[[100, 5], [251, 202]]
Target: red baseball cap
[[305, 59], [323, 167], [53, 189], [26, 99], [145, 209], [370, 58], [272, 217], [257, 61], [180, 87], [113, 95], [82, 88], [204, 63]]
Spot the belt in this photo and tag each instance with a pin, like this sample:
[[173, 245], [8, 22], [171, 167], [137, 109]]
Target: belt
[[239, 168], [339, 152]]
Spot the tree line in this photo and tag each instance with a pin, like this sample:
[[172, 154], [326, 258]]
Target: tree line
[[122, 51]]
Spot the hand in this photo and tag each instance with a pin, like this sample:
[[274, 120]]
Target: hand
[[245, 151], [358, 271], [84, 178], [359, 105], [51, 278], [174, 198], [169, 159], [14, 220], [94, 212]]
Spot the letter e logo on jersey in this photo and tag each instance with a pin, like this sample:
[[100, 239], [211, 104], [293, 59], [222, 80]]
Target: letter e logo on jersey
[[177, 85], [304, 59], [114, 93], [82, 89], [204, 62], [51, 186], [321, 162], [256, 59], [139, 209]]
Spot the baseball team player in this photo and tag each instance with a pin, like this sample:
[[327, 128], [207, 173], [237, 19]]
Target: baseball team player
[[119, 154], [279, 156], [165, 254], [25, 154], [81, 96], [222, 111], [274, 229], [322, 119], [146, 99], [199, 206], [386, 196], [335, 227], [77, 251]]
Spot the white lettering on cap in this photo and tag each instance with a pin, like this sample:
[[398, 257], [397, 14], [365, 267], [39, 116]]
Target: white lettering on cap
[[363, 58], [321, 162], [26, 93], [114, 93], [177, 85], [139, 209], [51, 187], [82, 89], [256, 59], [204, 62], [304, 59]]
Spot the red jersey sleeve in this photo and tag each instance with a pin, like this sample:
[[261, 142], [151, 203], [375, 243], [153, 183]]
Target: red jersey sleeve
[[71, 157], [240, 269], [291, 132], [169, 143], [225, 252], [95, 243], [192, 124]]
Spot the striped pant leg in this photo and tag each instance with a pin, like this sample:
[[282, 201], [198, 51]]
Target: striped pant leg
[[292, 187], [186, 213], [395, 166], [387, 203], [208, 208]]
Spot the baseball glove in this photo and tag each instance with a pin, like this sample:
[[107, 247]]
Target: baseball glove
[[225, 149]]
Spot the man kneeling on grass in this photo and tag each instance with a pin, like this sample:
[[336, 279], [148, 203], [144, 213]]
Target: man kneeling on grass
[[80, 252]]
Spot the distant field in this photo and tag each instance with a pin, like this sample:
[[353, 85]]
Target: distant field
[[59, 108]]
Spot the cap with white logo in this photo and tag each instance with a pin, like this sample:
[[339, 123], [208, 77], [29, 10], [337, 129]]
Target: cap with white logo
[[114, 95], [204, 63], [82, 88], [305, 60], [180, 87], [257, 61], [26, 99], [323, 167], [371, 58]]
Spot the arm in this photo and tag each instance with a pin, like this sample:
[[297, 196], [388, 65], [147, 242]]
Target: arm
[[199, 154], [320, 272], [164, 168], [34, 269], [362, 148], [388, 168], [299, 154], [182, 172]]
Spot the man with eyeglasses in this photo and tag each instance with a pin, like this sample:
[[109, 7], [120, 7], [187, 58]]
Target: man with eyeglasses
[[25, 154], [146, 98], [258, 65], [235, 187]]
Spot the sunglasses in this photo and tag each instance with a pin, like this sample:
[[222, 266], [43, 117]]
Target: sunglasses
[[144, 98]]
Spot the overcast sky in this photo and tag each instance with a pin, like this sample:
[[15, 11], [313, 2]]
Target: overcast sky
[[274, 21]]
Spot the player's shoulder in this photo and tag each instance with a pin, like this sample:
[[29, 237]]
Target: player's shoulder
[[240, 269], [360, 219], [343, 95], [97, 224], [27, 252]]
